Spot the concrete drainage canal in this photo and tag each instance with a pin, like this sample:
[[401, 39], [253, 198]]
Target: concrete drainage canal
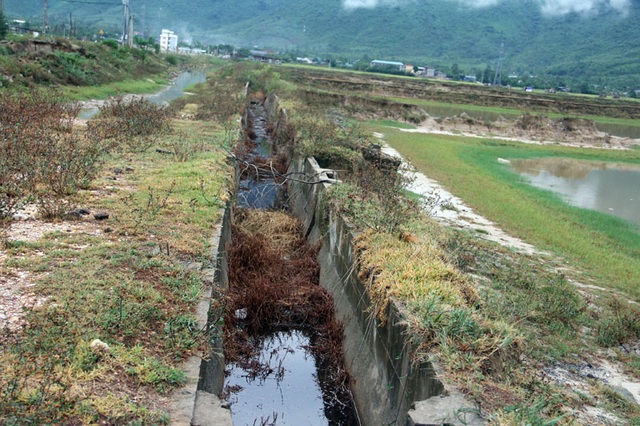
[[282, 342]]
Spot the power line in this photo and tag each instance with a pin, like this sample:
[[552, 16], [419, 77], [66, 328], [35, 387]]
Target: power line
[[91, 2]]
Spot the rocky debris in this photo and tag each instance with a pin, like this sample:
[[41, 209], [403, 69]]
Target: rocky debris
[[101, 216], [580, 376], [447, 409]]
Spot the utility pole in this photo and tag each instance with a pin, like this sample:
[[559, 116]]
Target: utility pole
[[44, 18], [70, 25], [144, 19], [125, 31], [130, 35], [497, 78]]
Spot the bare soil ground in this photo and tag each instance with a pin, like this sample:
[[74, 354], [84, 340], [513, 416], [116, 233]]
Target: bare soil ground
[[528, 128]]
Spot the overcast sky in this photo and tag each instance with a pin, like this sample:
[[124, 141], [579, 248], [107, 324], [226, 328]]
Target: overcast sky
[[548, 7]]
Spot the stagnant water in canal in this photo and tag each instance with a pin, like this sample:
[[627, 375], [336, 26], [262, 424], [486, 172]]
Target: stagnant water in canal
[[283, 345]]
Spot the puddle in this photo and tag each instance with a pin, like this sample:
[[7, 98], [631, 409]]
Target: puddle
[[609, 188]]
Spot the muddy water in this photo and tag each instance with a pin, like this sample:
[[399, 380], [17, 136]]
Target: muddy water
[[440, 111], [287, 378], [606, 187], [174, 91]]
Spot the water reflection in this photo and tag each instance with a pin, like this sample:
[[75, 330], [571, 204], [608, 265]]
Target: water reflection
[[287, 393], [610, 188]]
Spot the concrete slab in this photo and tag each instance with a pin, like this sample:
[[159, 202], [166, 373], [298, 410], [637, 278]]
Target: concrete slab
[[445, 410], [209, 410]]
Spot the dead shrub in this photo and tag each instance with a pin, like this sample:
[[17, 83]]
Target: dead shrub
[[43, 157], [132, 124]]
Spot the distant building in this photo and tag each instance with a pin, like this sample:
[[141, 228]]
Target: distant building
[[18, 26], [470, 77], [168, 41], [264, 56], [388, 65], [191, 51]]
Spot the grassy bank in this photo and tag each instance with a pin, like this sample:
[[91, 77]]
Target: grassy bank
[[605, 247], [151, 84], [131, 280]]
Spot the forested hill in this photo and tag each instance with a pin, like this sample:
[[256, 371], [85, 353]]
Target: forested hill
[[596, 40]]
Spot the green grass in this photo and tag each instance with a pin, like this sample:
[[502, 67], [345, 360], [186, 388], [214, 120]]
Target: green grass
[[121, 281], [146, 86], [606, 247]]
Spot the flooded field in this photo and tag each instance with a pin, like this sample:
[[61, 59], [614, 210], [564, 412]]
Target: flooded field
[[606, 187]]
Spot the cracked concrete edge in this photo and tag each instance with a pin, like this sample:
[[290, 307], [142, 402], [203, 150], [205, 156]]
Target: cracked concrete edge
[[450, 408], [209, 410]]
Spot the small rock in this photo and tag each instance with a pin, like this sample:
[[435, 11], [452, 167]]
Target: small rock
[[129, 169], [20, 216], [99, 346], [83, 212], [194, 266], [118, 171], [108, 230], [625, 393], [101, 216]]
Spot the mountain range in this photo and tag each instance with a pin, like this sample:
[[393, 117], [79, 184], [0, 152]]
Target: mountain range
[[591, 40]]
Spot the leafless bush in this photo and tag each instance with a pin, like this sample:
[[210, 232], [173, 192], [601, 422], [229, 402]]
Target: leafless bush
[[43, 157], [184, 147], [132, 124]]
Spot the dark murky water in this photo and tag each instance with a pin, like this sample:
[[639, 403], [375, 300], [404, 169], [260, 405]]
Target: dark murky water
[[288, 392], [606, 187], [438, 111]]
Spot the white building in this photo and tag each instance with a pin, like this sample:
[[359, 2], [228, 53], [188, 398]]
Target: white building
[[168, 41]]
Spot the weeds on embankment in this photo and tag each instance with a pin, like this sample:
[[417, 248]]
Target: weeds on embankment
[[495, 320], [128, 280]]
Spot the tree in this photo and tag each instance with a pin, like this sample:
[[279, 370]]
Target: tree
[[455, 72], [4, 28]]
